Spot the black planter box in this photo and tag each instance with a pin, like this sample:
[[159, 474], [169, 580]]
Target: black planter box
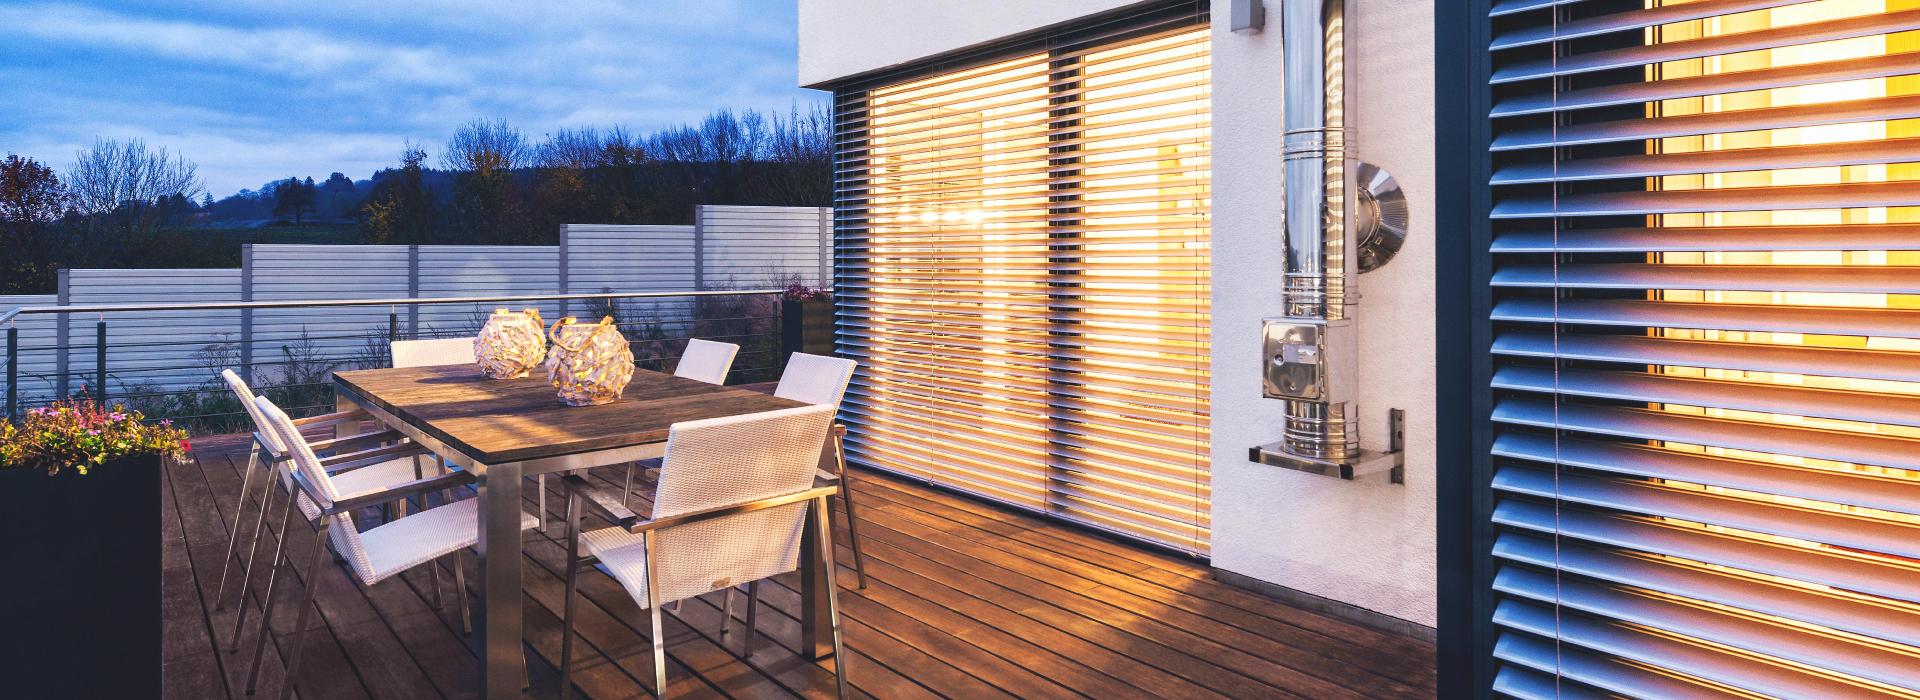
[[80, 581], [806, 326]]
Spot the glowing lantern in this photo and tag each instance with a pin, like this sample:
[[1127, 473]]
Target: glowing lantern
[[511, 344], [590, 365]]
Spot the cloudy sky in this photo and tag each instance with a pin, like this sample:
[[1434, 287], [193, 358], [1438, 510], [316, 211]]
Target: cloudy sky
[[260, 90]]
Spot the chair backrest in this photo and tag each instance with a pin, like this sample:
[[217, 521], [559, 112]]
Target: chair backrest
[[815, 379], [729, 461], [432, 353], [268, 435], [346, 539], [245, 394], [706, 361]]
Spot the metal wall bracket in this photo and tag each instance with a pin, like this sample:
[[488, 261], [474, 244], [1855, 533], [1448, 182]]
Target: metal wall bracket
[[1392, 462]]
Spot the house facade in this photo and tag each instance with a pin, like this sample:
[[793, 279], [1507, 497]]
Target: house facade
[[1577, 334]]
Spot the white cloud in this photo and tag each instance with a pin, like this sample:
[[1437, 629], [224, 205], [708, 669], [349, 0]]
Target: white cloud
[[261, 90]]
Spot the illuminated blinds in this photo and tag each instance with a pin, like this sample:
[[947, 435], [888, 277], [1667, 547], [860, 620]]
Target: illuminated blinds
[[1022, 275], [1707, 348]]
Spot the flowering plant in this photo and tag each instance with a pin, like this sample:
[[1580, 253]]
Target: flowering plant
[[801, 292], [81, 434]]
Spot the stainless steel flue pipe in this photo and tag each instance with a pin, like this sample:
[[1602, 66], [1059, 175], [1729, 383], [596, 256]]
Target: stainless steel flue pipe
[[1314, 350]]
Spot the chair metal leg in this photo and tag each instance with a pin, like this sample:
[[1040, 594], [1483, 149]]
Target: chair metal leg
[[726, 613], [306, 610], [433, 576], [825, 534], [541, 482], [853, 524], [253, 546], [653, 609], [573, 585], [233, 537], [273, 575], [753, 612], [626, 492], [460, 590], [266, 613]]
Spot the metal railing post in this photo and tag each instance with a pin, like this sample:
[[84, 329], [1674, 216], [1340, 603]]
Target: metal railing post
[[13, 371], [393, 324], [100, 360]]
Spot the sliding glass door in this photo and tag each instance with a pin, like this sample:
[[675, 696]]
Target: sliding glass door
[[1023, 274]]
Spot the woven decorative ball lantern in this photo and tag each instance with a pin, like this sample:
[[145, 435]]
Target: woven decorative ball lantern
[[590, 365], [511, 344]]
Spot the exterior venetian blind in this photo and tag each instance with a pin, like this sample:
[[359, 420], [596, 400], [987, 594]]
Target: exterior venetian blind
[[1022, 273], [1706, 307]]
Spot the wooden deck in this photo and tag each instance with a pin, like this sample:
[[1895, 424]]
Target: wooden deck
[[965, 600]]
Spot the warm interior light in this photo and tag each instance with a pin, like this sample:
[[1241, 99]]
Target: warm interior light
[[1840, 50], [1038, 310]]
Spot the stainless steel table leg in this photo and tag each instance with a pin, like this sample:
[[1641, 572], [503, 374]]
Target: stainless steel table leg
[[498, 628], [343, 403], [816, 635]]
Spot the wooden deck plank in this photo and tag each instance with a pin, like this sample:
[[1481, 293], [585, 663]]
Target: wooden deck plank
[[1402, 660], [966, 600], [1293, 661]]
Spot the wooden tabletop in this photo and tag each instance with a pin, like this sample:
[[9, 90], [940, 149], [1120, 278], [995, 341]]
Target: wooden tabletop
[[495, 421]]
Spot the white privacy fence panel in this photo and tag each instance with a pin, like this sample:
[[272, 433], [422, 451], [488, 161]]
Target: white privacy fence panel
[[758, 247], [154, 351], [301, 345], [39, 338], [471, 271]]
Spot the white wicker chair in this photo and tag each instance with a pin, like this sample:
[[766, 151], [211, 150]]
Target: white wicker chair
[[432, 353], [268, 458], [706, 360], [730, 508], [703, 360], [821, 381], [374, 555], [437, 352]]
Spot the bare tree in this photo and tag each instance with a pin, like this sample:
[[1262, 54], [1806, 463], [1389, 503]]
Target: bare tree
[[571, 148], [486, 146], [116, 174]]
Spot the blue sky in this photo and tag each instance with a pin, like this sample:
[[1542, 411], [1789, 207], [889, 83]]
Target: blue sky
[[256, 91]]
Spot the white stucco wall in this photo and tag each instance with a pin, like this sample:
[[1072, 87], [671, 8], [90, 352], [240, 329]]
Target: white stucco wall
[[839, 38], [1368, 543], [1365, 542]]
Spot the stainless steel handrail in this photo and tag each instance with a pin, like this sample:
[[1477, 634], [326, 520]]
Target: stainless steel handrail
[[9, 317], [395, 301]]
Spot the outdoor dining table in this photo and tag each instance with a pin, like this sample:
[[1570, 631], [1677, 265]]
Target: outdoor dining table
[[506, 429]]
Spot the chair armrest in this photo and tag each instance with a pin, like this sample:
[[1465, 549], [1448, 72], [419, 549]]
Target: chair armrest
[[438, 482], [367, 458], [267, 453], [821, 489], [306, 488], [355, 415], [352, 441], [608, 503]]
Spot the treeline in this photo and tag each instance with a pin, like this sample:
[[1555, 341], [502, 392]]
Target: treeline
[[495, 185], [123, 204]]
